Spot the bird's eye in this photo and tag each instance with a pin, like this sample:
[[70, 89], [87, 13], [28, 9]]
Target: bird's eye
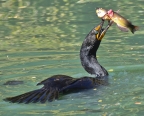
[[95, 32]]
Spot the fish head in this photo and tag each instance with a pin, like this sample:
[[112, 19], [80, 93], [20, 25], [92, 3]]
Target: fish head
[[101, 12]]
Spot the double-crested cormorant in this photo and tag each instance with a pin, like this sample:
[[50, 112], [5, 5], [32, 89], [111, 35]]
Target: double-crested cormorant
[[58, 84]]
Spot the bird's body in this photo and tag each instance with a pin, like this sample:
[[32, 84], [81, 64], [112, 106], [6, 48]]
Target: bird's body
[[61, 84]]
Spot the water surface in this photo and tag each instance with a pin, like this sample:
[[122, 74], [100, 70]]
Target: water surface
[[42, 38]]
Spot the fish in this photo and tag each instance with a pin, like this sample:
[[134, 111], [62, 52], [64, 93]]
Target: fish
[[122, 23]]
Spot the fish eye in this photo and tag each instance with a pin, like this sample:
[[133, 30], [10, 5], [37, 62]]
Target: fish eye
[[99, 12]]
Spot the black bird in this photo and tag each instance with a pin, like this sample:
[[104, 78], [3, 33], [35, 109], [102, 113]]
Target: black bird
[[61, 84]]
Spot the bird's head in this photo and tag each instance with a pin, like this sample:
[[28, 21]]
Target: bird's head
[[100, 31]]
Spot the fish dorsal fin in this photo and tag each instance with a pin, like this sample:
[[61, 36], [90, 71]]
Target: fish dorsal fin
[[117, 11], [122, 28]]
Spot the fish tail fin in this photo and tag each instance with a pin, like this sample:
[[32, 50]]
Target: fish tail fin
[[135, 28], [39, 95]]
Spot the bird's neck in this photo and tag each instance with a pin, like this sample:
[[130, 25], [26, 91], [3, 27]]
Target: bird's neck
[[88, 55]]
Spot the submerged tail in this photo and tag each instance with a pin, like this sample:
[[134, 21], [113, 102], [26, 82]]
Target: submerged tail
[[40, 95], [134, 28]]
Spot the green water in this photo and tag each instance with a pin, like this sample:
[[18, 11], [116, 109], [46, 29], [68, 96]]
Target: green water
[[41, 38]]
